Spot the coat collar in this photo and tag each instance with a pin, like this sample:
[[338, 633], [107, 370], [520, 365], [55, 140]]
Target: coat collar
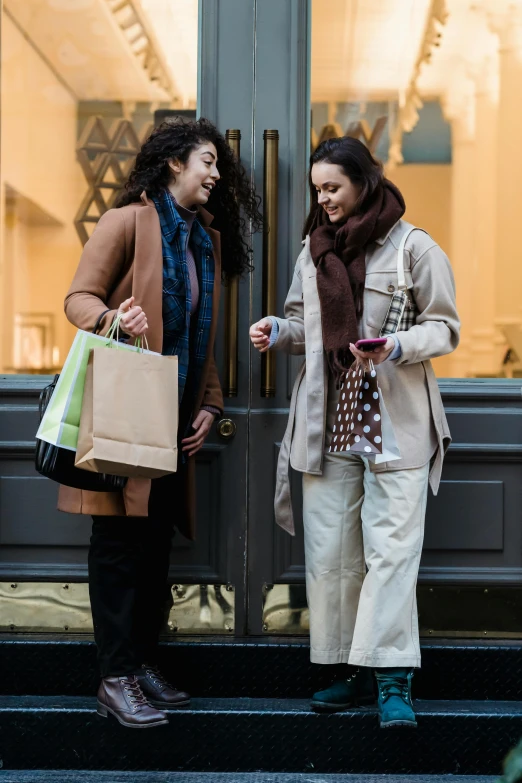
[[383, 239], [204, 216]]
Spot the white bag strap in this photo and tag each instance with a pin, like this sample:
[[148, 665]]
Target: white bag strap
[[401, 277]]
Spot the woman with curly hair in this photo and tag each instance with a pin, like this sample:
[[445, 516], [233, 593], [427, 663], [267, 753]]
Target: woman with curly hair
[[155, 261]]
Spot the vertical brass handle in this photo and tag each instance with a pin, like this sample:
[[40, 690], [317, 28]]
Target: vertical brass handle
[[270, 211], [233, 137]]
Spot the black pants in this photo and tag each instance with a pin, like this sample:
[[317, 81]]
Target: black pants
[[128, 580]]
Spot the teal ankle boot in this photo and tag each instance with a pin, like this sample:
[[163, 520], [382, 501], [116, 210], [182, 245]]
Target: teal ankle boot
[[394, 700], [353, 691]]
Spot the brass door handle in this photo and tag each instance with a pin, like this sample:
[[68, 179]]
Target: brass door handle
[[233, 137], [270, 212], [226, 429]]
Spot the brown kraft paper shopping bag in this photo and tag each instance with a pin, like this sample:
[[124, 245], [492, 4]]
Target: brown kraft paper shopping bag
[[129, 419]]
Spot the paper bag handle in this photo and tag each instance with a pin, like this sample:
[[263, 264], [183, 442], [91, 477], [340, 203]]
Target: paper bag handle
[[115, 329]]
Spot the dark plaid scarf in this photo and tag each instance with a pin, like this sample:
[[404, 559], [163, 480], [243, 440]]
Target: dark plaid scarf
[[179, 339], [339, 255]]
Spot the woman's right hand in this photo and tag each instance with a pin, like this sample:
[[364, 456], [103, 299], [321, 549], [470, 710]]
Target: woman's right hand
[[260, 334], [133, 319]]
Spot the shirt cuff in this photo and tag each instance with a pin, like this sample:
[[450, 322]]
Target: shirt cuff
[[274, 333], [397, 351], [211, 409]]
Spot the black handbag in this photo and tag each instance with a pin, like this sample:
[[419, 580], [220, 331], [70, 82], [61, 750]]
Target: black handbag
[[57, 463]]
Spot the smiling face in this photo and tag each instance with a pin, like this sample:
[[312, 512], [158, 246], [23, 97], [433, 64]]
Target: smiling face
[[336, 193], [193, 181]]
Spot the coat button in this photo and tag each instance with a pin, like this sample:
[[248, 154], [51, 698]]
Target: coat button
[[391, 288]]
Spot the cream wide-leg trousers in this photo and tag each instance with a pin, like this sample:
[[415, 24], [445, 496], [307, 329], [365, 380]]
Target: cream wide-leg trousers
[[363, 537]]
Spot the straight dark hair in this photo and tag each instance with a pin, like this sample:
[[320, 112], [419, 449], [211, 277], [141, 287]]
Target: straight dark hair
[[359, 165]]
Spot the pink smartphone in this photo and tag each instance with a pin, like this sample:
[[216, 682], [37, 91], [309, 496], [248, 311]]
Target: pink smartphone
[[371, 344]]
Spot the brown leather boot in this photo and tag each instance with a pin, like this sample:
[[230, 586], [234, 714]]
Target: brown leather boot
[[158, 691], [123, 698]]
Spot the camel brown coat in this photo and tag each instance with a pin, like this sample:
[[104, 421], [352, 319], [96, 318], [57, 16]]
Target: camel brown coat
[[123, 258]]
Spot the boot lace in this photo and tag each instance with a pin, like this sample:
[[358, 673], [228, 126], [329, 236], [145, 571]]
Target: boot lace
[[136, 695], [157, 677], [393, 686]]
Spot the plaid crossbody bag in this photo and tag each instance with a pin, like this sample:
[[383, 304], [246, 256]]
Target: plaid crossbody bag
[[402, 312]]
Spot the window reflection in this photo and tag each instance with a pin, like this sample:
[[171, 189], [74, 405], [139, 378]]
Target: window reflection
[[433, 87], [82, 83]]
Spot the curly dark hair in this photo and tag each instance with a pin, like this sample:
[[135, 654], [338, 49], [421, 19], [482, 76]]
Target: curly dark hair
[[233, 202]]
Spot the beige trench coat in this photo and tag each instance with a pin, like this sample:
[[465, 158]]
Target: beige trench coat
[[408, 384]]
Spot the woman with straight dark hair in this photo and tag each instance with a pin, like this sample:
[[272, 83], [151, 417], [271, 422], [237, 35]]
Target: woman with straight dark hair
[[363, 522], [156, 262]]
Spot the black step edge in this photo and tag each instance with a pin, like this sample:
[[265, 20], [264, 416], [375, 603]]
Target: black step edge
[[263, 667], [250, 735], [76, 776]]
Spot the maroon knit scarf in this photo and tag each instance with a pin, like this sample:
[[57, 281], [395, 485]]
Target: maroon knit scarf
[[339, 255]]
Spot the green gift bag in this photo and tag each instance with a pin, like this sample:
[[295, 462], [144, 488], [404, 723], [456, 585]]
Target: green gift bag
[[61, 421]]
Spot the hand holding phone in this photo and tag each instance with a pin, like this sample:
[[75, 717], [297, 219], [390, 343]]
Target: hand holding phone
[[370, 345]]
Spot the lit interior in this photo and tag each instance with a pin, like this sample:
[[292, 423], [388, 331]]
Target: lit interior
[[446, 75], [431, 85]]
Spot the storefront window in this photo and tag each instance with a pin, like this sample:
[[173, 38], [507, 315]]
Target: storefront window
[[433, 89], [82, 83]]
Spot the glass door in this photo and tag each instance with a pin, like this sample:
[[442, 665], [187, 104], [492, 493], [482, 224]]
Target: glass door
[[430, 88], [82, 85]]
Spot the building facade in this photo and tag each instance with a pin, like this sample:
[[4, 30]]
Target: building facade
[[432, 87]]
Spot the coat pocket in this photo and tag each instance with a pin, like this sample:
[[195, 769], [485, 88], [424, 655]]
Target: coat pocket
[[378, 292]]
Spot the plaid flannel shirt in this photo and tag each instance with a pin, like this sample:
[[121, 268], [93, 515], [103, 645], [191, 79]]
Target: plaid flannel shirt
[[188, 343]]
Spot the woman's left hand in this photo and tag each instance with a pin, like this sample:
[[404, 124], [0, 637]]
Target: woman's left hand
[[201, 424], [378, 355]]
